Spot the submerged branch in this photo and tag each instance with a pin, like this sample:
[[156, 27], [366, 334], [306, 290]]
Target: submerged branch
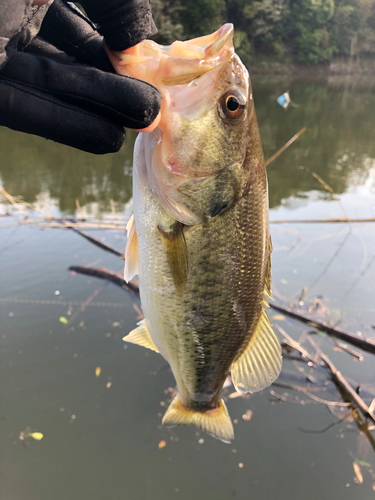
[[106, 274], [281, 150], [332, 330], [99, 243], [344, 385], [47, 222], [296, 345]]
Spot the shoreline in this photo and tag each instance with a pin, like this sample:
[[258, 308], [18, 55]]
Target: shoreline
[[338, 67]]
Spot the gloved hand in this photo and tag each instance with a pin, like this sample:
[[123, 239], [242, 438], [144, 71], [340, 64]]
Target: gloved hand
[[61, 85]]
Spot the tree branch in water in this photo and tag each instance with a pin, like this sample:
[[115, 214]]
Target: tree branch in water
[[332, 330]]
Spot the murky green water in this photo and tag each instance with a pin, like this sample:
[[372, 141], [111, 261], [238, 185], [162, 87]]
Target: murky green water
[[102, 433]]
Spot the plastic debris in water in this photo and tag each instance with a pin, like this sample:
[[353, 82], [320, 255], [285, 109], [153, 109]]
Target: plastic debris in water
[[162, 444], [63, 320], [98, 371], [284, 100]]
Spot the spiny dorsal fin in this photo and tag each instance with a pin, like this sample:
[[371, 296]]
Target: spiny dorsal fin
[[141, 336], [215, 422], [131, 251], [260, 364], [175, 247]]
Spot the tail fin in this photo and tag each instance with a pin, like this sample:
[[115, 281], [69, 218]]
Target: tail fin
[[215, 422]]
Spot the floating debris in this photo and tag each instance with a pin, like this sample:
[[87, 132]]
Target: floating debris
[[247, 415], [358, 473], [63, 320], [98, 371], [284, 100], [38, 436], [234, 395], [162, 444]]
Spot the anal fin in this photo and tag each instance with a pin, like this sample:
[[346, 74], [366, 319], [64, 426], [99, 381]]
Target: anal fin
[[131, 251], [141, 336], [260, 364], [215, 422]]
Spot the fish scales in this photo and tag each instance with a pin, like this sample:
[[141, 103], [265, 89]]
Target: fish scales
[[199, 240]]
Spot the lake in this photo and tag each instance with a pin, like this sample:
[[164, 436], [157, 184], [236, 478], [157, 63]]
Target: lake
[[66, 373]]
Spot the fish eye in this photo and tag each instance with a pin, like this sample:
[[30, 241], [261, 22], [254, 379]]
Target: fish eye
[[232, 105]]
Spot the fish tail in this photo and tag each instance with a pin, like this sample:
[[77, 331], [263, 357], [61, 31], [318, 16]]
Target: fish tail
[[216, 422]]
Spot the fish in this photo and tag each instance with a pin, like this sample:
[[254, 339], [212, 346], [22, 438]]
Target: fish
[[199, 237]]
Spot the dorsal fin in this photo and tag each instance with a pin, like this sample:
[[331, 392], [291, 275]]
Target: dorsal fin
[[260, 364], [131, 251], [141, 336]]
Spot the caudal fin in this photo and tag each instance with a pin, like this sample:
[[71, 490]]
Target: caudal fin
[[215, 422]]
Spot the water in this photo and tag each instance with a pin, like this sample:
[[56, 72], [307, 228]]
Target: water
[[102, 433]]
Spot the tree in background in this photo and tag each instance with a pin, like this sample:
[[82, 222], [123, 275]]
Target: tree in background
[[201, 17], [166, 14], [307, 31]]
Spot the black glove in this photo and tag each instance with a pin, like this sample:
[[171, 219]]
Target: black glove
[[62, 86]]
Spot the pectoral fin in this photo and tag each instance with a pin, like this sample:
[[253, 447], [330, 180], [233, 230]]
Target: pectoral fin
[[141, 336], [260, 364], [131, 251], [215, 422], [175, 247]]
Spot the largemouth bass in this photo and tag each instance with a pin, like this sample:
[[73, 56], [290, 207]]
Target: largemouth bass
[[199, 238]]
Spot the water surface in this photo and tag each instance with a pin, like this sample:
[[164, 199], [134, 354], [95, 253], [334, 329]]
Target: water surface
[[102, 433]]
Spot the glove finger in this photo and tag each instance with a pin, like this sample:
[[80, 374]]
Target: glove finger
[[27, 110], [127, 101], [40, 47], [68, 29], [122, 23]]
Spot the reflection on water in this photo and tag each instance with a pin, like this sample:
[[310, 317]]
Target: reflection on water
[[65, 372], [64, 174], [338, 145]]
